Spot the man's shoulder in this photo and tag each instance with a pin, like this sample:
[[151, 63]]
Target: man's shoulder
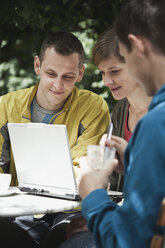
[[17, 93], [152, 124], [156, 114]]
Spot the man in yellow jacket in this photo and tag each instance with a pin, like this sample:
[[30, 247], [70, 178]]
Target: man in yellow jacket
[[55, 100]]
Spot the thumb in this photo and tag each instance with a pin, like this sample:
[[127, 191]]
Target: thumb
[[103, 140]]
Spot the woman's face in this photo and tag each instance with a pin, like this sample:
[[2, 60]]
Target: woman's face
[[117, 78]]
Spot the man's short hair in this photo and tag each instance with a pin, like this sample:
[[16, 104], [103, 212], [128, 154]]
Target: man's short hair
[[145, 18], [106, 46], [64, 43]]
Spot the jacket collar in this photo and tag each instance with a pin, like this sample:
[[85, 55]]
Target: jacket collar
[[69, 100], [26, 113], [159, 98]]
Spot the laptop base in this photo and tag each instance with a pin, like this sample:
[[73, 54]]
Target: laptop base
[[41, 192]]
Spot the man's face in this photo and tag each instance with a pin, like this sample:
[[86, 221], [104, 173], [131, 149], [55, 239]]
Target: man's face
[[58, 75], [131, 61], [140, 68]]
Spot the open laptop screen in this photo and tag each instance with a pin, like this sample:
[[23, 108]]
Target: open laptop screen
[[42, 156]]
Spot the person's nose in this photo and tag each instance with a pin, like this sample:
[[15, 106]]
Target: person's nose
[[107, 80], [58, 84]]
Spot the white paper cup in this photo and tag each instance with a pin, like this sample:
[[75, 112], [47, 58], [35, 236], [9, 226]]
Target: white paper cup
[[97, 158], [5, 180]]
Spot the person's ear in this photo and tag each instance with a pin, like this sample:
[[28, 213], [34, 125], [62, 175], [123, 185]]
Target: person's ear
[[137, 43], [37, 65], [81, 73]]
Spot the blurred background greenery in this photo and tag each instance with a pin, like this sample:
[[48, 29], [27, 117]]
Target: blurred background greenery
[[24, 24]]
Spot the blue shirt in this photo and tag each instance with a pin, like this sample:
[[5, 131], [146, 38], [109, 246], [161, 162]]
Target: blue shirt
[[133, 224]]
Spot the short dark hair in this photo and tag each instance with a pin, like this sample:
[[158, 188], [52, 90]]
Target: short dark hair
[[145, 18], [106, 46], [64, 43]]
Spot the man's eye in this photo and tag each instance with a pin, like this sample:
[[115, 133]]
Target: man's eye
[[51, 74], [115, 71]]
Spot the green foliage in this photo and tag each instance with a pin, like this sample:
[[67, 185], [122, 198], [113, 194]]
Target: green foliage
[[14, 78], [24, 24]]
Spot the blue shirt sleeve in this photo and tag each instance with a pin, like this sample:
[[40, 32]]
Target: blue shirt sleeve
[[98, 210]]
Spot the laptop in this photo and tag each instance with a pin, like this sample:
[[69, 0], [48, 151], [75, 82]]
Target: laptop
[[43, 160]]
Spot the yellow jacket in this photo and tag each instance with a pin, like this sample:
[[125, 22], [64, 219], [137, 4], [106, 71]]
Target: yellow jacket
[[85, 114]]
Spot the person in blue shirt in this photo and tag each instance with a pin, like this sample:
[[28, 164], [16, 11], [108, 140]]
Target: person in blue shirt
[[140, 29]]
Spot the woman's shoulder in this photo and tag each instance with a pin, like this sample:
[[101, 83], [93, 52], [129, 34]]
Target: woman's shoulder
[[121, 105]]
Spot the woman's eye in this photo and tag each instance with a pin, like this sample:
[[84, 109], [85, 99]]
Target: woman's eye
[[69, 78]]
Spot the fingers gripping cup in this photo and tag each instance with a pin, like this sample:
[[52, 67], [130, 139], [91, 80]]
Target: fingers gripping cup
[[95, 155], [98, 156]]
